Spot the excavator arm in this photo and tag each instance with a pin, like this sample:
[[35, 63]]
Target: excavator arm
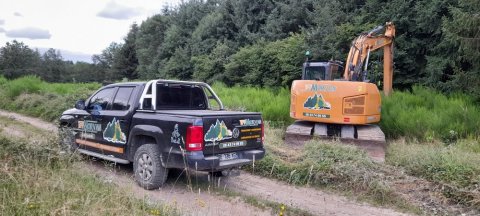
[[359, 54]]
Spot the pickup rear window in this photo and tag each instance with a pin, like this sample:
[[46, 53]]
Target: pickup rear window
[[180, 96]]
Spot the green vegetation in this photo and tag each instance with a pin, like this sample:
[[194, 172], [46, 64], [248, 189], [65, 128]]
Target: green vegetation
[[455, 167], [273, 103], [261, 43], [441, 134], [32, 96], [428, 115], [36, 179], [330, 165]]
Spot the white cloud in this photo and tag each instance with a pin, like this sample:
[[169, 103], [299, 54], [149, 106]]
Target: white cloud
[[17, 14], [2, 22], [114, 10], [74, 25], [29, 32]]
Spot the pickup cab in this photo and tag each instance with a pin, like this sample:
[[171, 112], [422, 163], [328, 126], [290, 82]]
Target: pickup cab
[[161, 125]]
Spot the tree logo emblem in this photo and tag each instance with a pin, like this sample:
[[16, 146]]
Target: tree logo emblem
[[317, 102], [113, 132], [218, 132]]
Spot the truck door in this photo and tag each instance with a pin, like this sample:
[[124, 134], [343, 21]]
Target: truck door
[[110, 113]]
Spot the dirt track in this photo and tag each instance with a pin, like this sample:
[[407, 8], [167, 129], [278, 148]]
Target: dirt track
[[202, 201]]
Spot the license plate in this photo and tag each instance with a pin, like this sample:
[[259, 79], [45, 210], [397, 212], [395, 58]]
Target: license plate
[[233, 144], [228, 156]]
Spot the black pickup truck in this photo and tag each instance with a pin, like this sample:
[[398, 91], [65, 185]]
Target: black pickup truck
[[163, 124]]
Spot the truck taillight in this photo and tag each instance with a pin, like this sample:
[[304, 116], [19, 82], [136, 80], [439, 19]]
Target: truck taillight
[[194, 140]]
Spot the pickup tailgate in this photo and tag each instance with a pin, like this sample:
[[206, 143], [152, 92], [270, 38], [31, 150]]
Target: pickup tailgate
[[230, 133]]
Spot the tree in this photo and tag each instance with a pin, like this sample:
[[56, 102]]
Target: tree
[[126, 61], [149, 42], [17, 59], [53, 68]]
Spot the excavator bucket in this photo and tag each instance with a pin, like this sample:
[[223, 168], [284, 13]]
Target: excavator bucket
[[366, 137]]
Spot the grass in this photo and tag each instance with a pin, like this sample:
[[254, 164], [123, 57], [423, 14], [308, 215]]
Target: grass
[[427, 115], [36, 179], [328, 165], [455, 167], [273, 103], [275, 207], [32, 96]]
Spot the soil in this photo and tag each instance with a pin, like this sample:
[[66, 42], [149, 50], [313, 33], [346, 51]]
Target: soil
[[202, 196]]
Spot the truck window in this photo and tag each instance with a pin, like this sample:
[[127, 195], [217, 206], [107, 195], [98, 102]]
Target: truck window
[[121, 101], [101, 99], [180, 96]]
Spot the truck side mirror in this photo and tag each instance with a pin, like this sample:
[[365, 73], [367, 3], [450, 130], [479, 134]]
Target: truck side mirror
[[80, 104]]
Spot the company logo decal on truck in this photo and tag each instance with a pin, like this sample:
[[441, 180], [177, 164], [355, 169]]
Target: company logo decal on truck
[[218, 132], [316, 102], [248, 122], [113, 132], [176, 137]]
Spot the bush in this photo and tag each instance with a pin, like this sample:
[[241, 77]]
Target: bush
[[27, 84], [3, 80]]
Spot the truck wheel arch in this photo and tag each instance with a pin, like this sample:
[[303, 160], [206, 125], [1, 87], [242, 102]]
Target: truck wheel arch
[[67, 120], [143, 134]]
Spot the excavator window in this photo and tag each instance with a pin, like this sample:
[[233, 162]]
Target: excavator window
[[315, 73]]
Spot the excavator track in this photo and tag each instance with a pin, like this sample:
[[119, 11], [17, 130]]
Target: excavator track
[[367, 137]]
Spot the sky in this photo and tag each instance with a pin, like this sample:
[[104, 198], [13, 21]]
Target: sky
[[78, 29]]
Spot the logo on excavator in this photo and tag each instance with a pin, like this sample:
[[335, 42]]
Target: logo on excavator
[[321, 88], [316, 102]]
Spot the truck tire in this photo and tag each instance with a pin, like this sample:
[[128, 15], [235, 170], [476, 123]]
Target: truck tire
[[67, 139], [147, 166]]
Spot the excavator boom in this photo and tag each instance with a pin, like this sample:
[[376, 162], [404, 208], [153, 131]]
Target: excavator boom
[[360, 51]]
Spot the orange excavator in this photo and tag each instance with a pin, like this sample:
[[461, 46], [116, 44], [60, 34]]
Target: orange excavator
[[326, 103]]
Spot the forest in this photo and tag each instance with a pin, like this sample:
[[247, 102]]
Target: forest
[[262, 44]]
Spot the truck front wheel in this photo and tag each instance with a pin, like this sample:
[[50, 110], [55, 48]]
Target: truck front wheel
[[149, 172]]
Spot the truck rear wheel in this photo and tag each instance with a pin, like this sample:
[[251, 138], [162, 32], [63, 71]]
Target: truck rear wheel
[[149, 172]]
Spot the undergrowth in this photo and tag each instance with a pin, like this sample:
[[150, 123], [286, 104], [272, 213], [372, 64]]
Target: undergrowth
[[32, 96], [454, 167], [426, 115], [326, 164], [38, 180]]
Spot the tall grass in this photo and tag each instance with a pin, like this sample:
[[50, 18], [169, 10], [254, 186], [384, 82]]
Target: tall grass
[[273, 103], [329, 165], [37, 180], [428, 115], [456, 167], [30, 95]]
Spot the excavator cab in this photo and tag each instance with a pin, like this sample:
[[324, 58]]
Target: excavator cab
[[331, 70]]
